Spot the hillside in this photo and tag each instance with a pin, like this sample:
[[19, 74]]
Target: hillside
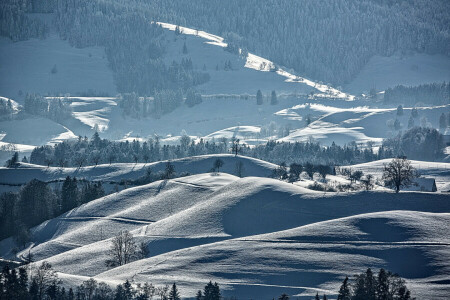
[[118, 171], [77, 70], [216, 208], [312, 258]]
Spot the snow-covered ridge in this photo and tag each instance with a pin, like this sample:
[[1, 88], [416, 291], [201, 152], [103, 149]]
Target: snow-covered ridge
[[261, 64]]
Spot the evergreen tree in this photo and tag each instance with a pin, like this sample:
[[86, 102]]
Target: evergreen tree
[[410, 122], [69, 194], [199, 295], [218, 163], [400, 110], [382, 287], [283, 297], [442, 121], [173, 294], [185, 50], [13, 162], [259, 97], [317, 296], [273, 98], [344, 291]]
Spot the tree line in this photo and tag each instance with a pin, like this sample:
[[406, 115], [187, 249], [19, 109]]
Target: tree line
[[430, 93], [135, 46], [37, 201], [44, 283], [56, 109], [417, 142]]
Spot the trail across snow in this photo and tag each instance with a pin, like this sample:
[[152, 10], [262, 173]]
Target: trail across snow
[[261, 64]]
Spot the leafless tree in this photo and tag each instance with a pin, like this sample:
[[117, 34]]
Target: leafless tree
[[123, 249], [45, 276], [240, 168], [368, 182], [399, 173]]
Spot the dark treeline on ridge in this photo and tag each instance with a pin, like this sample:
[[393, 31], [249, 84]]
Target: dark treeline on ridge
[[415, 143], [44, 283], [432, 93], [37, 201]]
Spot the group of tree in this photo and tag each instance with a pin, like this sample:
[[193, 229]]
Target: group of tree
[[44, 283], [37, 201], [421, 143], [124, 250], [431, 93], [417, 142], [357, 30], [369, 286], [134, 45], [16, 23], [260, 99], [296, 169], [56, 109], [6, 109]]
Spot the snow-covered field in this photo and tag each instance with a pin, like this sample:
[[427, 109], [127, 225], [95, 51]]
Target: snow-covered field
[[381, 73], [27, 65], [255, 236], [436, 170]]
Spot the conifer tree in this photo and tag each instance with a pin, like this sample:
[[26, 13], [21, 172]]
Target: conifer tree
[[173, 294], [344, 291], [273, 98], [259, 97]]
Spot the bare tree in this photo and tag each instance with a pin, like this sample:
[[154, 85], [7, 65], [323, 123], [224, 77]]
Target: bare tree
[[367, 181], [235, 148], [143, 251], [399, 173], [218, 163], [123, 249], [240, 168], [96, 158], [44, 277]]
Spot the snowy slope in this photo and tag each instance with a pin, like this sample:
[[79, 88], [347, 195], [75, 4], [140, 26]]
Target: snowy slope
[[381, 73], [26, 67], [438, 171], [312, 258], [279, 79], [203, 209], [361, 124], [116, 172]]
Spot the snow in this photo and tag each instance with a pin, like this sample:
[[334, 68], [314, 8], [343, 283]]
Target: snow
[[255, 236], [438, 171], [250, 232], [381, 73], [258, 63], [361, 123], [26, 66], [115, 172]]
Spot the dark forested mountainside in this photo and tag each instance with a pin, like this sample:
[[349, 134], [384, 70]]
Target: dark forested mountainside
[[326, 40], [329, 41], [433, 93], [16, 24]]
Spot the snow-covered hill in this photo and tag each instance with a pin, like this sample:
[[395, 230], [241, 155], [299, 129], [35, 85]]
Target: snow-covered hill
[[206, 226], [118, 171]]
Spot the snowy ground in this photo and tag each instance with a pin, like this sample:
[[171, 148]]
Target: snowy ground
[[438, 171], [381, 73], [27, 65], [255, 236]]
